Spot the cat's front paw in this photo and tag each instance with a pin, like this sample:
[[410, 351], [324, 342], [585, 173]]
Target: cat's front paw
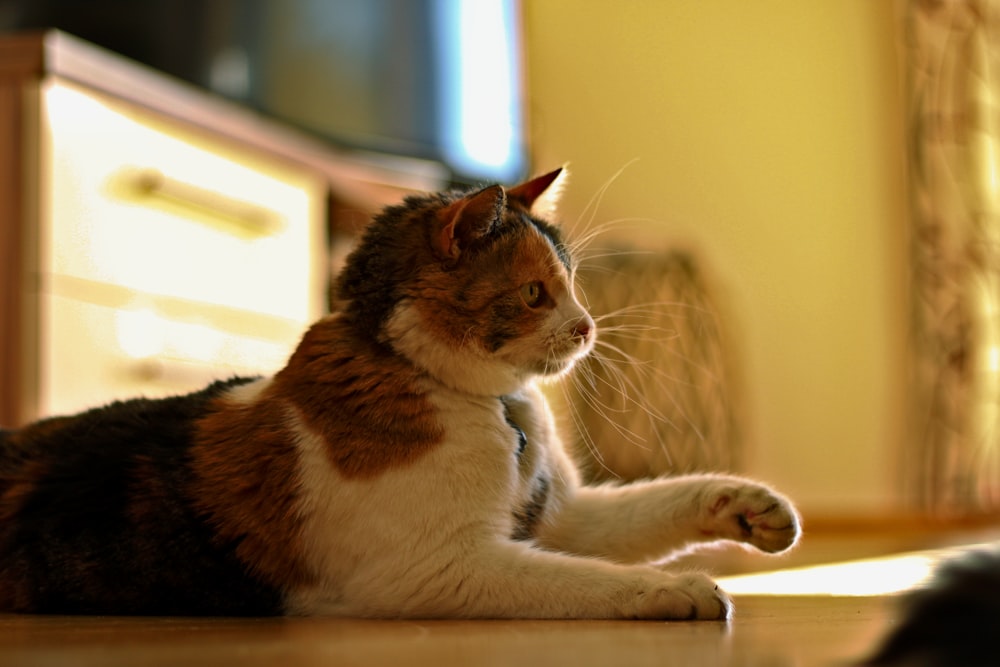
[[749, 512], [685, 597]]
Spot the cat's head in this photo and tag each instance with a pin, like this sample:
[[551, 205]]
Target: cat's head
[[474, 287]]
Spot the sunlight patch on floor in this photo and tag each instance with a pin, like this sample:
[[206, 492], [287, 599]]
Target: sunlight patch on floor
[[870, 576]]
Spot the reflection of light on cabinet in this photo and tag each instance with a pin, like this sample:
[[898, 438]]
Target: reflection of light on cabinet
[[139, 332], [166, 259]]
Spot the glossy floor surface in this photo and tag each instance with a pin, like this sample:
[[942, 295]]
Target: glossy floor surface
[[772, 631]]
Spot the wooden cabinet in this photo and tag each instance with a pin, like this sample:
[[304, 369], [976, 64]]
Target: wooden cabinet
[[154, 237]]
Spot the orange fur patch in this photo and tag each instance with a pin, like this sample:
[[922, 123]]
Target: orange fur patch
[[361, 398], [536, 259], [246, 466]]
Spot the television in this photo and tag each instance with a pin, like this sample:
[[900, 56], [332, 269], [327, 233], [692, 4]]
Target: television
[[438, 80]]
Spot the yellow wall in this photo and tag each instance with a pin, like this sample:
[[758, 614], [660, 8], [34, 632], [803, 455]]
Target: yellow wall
[[769, 136]]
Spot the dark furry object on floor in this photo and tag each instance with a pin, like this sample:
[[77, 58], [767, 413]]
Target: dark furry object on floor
[[953, 621]]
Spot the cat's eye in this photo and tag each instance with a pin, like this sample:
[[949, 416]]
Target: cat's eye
[[531, 294]]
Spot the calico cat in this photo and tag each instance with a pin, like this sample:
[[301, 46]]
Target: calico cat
[[402, 464]]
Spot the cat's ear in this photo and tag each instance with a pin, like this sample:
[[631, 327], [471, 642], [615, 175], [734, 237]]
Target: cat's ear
[[468, 219], [541, 194]]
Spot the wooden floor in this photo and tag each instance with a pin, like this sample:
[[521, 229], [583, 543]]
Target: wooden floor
[[767, 631]]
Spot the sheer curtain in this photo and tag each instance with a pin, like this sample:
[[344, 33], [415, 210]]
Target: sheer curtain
[[951, 55]]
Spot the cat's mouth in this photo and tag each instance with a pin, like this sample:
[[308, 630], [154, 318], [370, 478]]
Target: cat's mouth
[[565, 356]]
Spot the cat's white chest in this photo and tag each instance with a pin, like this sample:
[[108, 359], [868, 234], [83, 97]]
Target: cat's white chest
[[464, 488]]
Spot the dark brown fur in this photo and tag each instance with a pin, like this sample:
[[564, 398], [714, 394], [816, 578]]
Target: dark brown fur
[[98, 517]]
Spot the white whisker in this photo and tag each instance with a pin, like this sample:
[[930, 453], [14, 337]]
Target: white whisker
[[653, 396]]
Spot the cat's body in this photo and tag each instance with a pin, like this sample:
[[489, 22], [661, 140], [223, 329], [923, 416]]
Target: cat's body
[[402, 464]]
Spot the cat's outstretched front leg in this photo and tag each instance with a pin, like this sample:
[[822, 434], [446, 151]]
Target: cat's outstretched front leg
[[648, 520]]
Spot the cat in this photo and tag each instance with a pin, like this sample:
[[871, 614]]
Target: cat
[[951, 620], [403, 463]]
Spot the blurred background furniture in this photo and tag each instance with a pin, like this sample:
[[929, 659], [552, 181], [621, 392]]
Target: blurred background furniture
[[154, 236]]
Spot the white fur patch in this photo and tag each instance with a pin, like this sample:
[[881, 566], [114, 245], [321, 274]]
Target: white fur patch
[[249, 392], [462, 369]]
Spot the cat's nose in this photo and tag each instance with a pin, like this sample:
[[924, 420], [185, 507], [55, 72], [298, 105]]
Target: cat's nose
[[583, 329]]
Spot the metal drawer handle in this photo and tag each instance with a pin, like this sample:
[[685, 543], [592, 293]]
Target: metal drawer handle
[[244, 218]]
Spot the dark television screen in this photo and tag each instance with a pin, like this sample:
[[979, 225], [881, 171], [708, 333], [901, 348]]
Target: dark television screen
[[433, 79]]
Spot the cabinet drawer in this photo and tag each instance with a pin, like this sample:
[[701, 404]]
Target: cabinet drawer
[[97, 351], [137, 202]]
